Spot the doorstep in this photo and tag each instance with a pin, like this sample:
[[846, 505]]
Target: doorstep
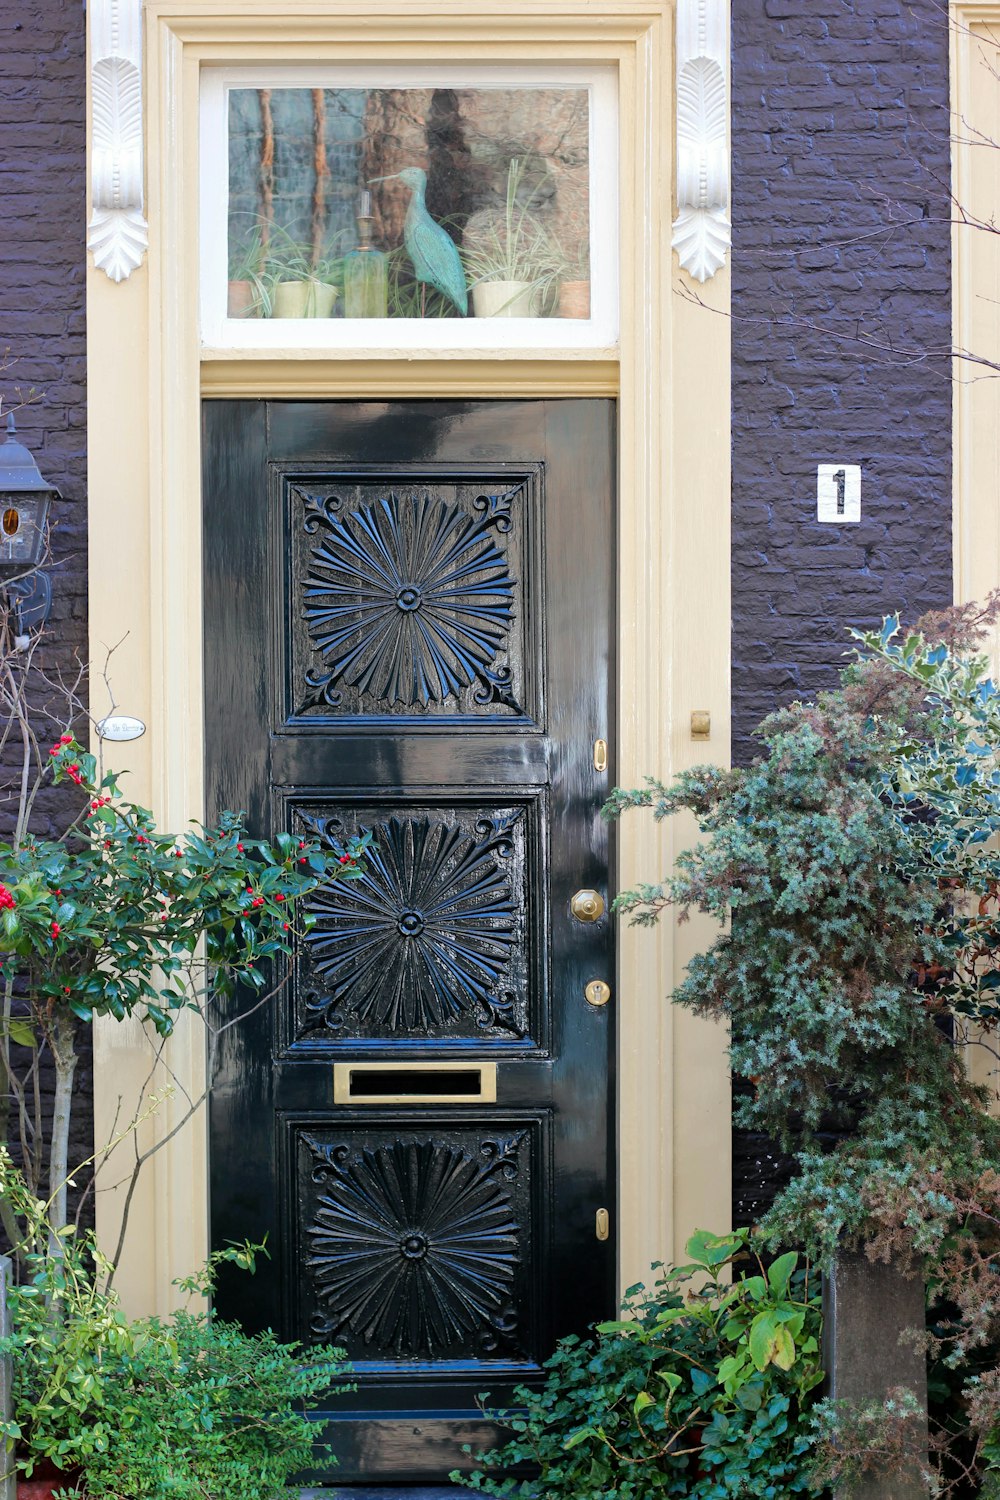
[[380, 1492]]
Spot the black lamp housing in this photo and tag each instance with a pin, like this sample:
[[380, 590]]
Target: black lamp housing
[[24, 510]]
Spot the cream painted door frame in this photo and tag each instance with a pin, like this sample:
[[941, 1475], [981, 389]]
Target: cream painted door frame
[[671, 377]]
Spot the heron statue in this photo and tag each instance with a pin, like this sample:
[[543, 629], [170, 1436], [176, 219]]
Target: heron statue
[[435, 257]]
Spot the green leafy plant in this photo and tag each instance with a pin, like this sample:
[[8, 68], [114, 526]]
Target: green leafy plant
[[189, 1407], [113, 917], [856, 864], [246, 263], [514, 246], [699, 1390], [288, 259]]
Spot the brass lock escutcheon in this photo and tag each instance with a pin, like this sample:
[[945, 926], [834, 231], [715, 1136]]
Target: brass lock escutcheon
[[587, 906], [597, 992]]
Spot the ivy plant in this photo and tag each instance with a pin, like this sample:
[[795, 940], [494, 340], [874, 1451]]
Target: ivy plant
[[699, 1390]]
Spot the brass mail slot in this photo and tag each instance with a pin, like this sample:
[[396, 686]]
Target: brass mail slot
[[414, 1083]]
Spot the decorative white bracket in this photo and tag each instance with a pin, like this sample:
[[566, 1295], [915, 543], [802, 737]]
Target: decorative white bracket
[[702, 231], [117, 233]]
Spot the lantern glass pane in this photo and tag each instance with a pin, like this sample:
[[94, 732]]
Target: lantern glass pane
[[22, 528]]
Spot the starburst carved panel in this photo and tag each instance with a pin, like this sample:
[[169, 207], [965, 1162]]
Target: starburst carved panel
[[411, 600], [438, 936], [416, 1244]]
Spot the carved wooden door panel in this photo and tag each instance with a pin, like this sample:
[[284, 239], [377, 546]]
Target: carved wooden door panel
[[408, 627]]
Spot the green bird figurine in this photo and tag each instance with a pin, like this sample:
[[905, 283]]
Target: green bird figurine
[[435, 257]]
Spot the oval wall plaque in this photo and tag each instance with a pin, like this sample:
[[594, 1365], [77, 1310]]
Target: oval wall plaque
[[121, 727]]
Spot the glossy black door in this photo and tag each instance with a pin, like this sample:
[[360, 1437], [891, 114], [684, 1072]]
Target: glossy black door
[[408, 627]]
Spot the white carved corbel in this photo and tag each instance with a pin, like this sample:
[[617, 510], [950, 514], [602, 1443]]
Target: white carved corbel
[[702, 231], [117, 233]]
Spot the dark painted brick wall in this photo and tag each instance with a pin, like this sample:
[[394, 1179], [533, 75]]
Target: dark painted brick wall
[[840, 214], [42, 311]]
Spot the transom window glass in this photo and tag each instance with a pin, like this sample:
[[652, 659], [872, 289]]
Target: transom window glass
[[434, 211]]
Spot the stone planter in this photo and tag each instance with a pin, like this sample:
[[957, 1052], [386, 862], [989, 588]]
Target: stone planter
[[868, 1310], [45, 1481]]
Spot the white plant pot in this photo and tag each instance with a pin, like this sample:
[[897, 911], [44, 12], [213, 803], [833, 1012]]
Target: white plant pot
[[303, 299], [505, 299]]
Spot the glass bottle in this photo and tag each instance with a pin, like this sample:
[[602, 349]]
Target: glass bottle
[[366, 279]]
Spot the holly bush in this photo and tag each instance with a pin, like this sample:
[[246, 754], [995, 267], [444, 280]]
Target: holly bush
[[108, 919], [115, 918]]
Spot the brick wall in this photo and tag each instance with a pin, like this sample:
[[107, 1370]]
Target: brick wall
[[840, 213], [42, 310]]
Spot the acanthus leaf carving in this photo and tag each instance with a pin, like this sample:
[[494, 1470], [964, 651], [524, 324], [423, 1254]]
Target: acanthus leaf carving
[[702, 230], [117, 234]]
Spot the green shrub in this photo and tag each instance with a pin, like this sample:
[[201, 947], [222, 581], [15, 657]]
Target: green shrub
[[187, 1408], [699, 1390], [203, 1411]]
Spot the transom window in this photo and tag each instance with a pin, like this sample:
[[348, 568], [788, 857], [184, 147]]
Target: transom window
[[357, 208]]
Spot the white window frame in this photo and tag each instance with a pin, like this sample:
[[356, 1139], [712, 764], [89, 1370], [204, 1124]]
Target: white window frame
[[446, 336]]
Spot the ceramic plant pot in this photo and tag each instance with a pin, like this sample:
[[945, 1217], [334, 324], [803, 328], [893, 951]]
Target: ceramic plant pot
[[44, 1482], [505, 299], [574, 299], [303, 299], [240, 301]]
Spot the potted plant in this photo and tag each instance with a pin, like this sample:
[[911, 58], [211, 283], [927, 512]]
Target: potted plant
[[511, 261], [574, 284], [301, 286], [247, 295], [117, 1409]]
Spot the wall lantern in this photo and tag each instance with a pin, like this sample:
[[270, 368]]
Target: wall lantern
[[24, 508]]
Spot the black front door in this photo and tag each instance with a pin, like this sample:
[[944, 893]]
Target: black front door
[[408, 628]]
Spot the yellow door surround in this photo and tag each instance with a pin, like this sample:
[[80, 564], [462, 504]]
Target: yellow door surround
[[671, 377]]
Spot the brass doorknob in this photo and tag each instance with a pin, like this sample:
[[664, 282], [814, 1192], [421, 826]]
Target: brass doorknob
[[587, 906]]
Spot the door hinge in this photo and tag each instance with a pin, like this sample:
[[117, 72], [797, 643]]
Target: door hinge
[[602, 1224]]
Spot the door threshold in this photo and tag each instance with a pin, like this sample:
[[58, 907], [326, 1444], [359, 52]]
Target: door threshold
[[382, 1492]]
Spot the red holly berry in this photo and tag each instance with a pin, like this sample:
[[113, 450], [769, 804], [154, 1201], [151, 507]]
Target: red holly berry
[[65, 989], [6, 899], [345, 859], [279, 897], [240, 848], [56, 929], [302, 843], [65, 739], [285, 926]]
